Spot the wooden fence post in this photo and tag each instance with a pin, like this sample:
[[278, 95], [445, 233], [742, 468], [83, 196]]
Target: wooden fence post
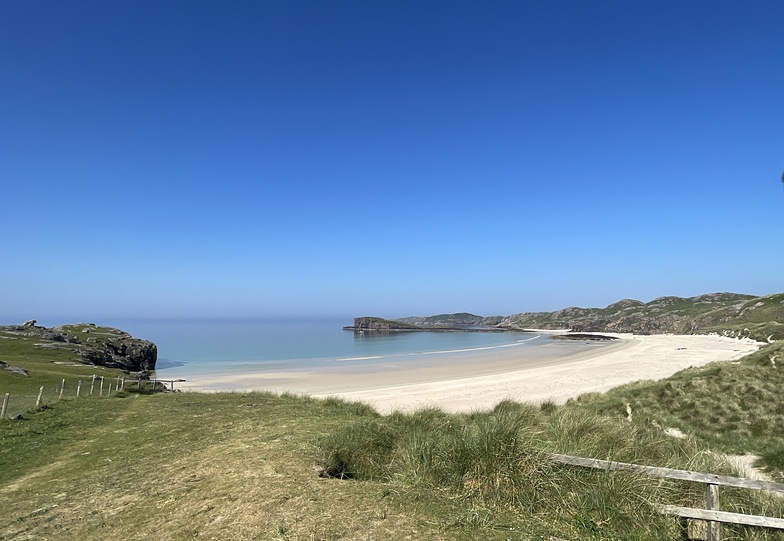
[[712, 504], [6, 398], [78, 388], [40, 394], [101, 391], [92, 384], [62, 388], [172, 385], [154, 382]]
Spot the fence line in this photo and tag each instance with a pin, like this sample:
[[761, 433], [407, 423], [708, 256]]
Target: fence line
[[14, 405], [712, 513]]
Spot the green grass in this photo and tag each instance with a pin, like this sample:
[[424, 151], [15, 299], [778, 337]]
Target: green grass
[[48, 368], [223, 466], [497, 461], [42, 364]]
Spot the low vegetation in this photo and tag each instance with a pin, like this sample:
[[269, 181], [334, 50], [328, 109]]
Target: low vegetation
[[498, 461], [735, 407]]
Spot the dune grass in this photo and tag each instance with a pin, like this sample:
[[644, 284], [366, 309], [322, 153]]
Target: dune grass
[[498, 461], [735, 407]]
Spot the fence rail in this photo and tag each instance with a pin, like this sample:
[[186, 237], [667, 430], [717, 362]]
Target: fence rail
[[712, 513], [13, 405]]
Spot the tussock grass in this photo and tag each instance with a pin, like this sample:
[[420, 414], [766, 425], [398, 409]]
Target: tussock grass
[[498, 461], [734, 407]]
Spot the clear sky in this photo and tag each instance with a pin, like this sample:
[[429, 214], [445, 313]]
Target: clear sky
[[391, 158]]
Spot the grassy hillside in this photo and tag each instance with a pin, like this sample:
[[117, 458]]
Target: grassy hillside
[[29, 362], [725, 313], [461, 319], [46, 365]]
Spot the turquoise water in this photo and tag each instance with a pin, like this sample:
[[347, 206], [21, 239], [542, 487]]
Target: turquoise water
[[195, 347]]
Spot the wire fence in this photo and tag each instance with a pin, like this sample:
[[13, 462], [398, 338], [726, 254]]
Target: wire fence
[[14, 405]]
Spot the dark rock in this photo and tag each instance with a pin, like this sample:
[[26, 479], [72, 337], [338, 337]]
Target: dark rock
[[125, 353], [14, 369], [584, 336], [379, 324]]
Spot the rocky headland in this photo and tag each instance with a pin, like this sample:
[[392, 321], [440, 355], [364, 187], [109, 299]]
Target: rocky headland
[[90, 344], [377, 324]]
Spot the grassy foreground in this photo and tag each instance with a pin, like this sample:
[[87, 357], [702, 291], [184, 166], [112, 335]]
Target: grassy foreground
[[247, 466], [186, 466]]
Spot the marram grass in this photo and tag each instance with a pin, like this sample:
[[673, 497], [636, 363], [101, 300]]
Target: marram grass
[[498, 461], [735, 407]]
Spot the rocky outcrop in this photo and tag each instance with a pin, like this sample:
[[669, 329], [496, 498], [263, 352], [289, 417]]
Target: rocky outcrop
[[378, 324], [106, 346], [129, 354], [12, 368]]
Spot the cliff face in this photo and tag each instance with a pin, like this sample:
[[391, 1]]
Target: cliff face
[[379, 324], [101, 346]]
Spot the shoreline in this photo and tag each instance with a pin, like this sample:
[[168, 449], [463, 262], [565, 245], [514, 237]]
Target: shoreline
[[468, 381]]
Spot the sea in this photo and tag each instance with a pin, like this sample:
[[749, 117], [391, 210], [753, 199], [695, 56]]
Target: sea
[[189, 348]]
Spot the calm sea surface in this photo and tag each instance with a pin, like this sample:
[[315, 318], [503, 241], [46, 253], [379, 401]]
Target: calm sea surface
[[187, 348]]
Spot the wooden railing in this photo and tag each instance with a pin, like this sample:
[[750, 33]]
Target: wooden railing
[[711, 513]]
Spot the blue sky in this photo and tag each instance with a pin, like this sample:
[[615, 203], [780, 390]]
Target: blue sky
[[170, 159]]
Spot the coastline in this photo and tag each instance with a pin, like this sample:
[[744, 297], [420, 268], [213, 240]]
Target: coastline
[[467, 381]]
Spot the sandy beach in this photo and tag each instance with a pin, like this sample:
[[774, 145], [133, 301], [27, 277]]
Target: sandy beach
[[481, 379]]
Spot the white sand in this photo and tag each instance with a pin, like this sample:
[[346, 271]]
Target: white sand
[[635, 358], [483, 379]]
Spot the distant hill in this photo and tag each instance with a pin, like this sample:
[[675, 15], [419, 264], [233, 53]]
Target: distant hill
[[462, 319], [731, 314]]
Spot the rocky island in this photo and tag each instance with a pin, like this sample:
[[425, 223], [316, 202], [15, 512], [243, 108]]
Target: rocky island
[[449, 323]]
